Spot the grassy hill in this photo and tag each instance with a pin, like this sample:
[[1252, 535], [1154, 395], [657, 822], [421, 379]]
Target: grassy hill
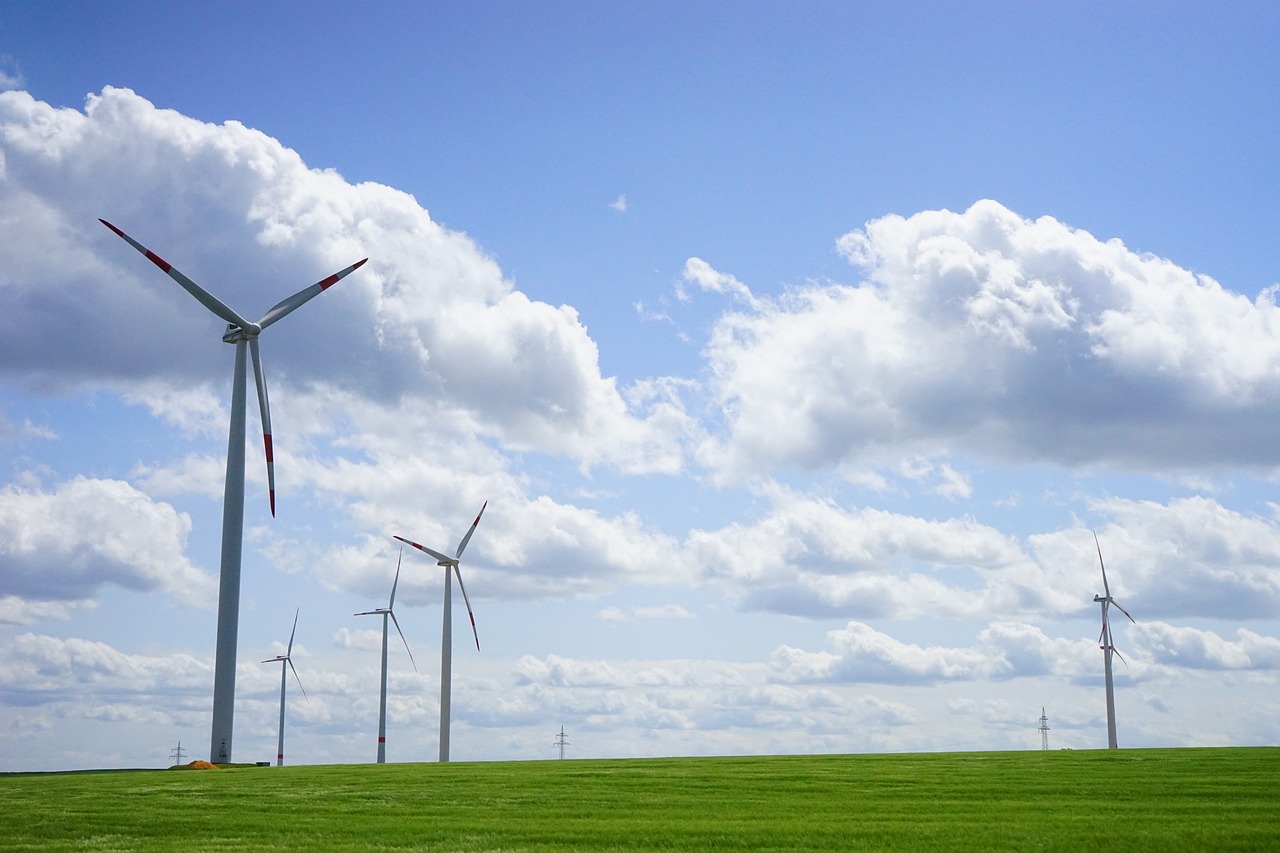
[[1167, 800]]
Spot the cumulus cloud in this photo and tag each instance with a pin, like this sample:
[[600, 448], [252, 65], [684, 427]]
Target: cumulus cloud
[[1187, 557], [248, 219], [866, 655], [811, 556], [1002, 338], [64, 545], [40, 664], [1004, 650], [1194, 648], [526, 546], [808, 555]]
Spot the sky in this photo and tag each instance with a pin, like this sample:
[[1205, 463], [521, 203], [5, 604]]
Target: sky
[[798, 350]]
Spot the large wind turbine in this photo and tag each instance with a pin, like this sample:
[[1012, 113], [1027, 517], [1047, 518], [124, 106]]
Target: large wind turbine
[[446, 638], [244, 335], [283, 660], [1108, 648], [384, 612]]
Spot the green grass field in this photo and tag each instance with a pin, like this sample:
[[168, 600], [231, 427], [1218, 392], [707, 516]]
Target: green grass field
[[1167, 799]]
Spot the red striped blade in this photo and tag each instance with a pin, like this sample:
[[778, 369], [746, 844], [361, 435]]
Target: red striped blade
[[204, 297], [287, 306]]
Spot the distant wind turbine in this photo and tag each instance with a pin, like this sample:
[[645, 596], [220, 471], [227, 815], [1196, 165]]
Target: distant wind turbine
[[384, 612], [284, 660], [446, 639], [1108, 648], [244, 335]]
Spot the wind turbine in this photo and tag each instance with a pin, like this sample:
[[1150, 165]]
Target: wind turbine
[[446, 638], [283, 660], [241, 333], [384, 612], [1108, 648]]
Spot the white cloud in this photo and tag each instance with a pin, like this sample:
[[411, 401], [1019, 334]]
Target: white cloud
[[366, 639], [237, 211], [701, 273], [664, 611], [15, 610], [938, 477], [1003, 650], [1194, 648], [1187, 557], [866, 655], [40, 664], [63, 545], [1001, 338], [15, 433], [811, 556], [620, 203]]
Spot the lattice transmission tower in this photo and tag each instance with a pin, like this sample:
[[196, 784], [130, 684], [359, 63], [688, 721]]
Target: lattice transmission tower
[[1044, 730], [562, 740]]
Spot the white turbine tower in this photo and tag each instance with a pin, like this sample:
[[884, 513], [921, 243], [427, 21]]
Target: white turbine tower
[[285, 660], [446, 638], [384, 612], [244, 335], [1108, 648]]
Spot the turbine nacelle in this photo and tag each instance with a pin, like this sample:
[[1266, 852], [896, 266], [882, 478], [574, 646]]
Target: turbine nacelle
[[235, 334]]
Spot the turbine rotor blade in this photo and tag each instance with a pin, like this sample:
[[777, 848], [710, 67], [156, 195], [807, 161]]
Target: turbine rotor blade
[[466, 600], [403, 640], [204, 297], [299, 680], [467, 538], [287, 306], [1125, 612], [423, 548], [392, 602], [1105, 589], [264, 411], [294, 631]]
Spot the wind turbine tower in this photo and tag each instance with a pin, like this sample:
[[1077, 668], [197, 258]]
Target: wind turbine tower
[[286, 662], [244, 336], [446, 634], [1108, 647], [1044, 730], [384, 612]]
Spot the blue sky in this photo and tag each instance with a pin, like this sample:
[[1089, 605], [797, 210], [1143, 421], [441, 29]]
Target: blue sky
[[796, 348]]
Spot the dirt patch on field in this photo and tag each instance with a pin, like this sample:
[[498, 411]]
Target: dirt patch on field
[[201, 764]]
